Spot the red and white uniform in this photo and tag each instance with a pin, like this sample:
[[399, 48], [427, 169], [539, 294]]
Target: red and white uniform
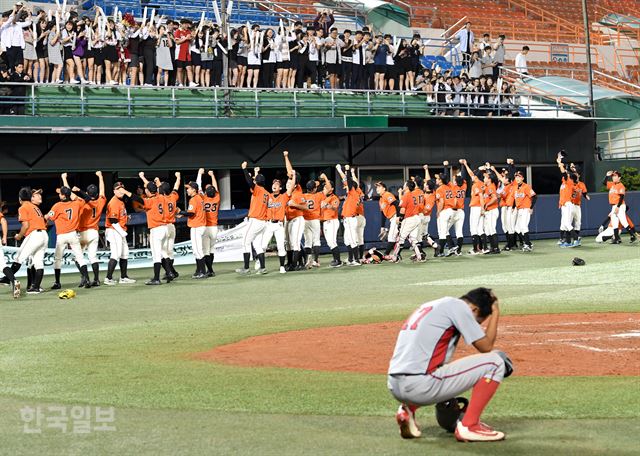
[[420, 372]]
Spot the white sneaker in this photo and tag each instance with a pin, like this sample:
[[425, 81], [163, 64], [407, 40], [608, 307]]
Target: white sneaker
[[84, 81], [127, 280], [263, 271], [314, 86], [193, 84], [180, 85], [74, 81], [354, 263], [315, 264], [282, 270], [113, 83], [256, 266], [109, 281], [477, 433]]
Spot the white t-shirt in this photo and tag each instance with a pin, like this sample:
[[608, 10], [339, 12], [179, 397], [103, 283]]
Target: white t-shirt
[[521, 63]]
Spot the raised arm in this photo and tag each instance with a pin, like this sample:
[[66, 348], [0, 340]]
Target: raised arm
[[176, 186], [427, 175], [65, 182], [467, 168], [144, 179], [287, 162], [199, 178], [445, 173], [247, 176], [214, 182]]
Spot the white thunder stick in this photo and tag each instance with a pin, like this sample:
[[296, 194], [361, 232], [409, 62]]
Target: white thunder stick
[[87, 32], [229, 7], [153, 15], [57, 22], [144, 16], [216, 11], [206, 41], [201, 23], [115, 13]]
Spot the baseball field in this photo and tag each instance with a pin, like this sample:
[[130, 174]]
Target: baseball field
[[295, 363]]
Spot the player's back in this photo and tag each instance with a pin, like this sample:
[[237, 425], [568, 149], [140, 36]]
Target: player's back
[[427, 338]]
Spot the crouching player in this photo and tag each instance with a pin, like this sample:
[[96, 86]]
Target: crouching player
[[420, 371]]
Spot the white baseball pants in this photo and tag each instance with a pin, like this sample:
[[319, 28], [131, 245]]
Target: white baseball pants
[[444, 222], [73, 240], [330, 229], [476, 221], [295, 229], [117, 245], [362, 223], [158, 243], [566, 216], [350, 231], [171, 239], [620, 217], [274, 229], [312, 233], [197, 234], [89, 240], [522, 220], [209, 239], [253, 236]]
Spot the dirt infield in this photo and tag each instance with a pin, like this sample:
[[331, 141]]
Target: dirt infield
[[539, 345]]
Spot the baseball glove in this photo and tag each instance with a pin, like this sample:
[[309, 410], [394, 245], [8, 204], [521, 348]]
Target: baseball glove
[[449, 412], [67, 294], [508, 364], [578, 262]]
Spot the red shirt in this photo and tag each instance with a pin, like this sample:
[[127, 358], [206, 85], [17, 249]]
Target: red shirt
[[182, 50]]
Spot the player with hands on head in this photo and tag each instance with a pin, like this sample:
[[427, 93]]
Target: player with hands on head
[[421, 371]]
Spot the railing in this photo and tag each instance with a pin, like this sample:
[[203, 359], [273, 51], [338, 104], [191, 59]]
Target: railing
[[545, 15], [627, 86], [620, 144], [167, 102]]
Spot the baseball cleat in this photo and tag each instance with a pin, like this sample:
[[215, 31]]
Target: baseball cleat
[[15, 288], [95, 283], [336, 264], [527, 248], [262, 271], [283, 270], [56, 286], [354, 263], [108, 281], [199, 276], [243, 271], [256, 266], [616, 241], [153, 282], [211, 274], [633, 239], [407, 421], [477, 433], [35, 290], [127, 280]]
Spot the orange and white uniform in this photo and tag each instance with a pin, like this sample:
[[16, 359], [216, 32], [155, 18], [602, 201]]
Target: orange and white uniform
[[507, 200], [36, 238], [389, 211], [412, 206], [523, 196], [579, 189], [257, 219], [330, 223], [457, 219], [89, 221], [350, 216], [277, 205], [66, 217], [445, 199], [197, 223], [155, 207], [294, 226], [116, 229], [476, 215], [618, 206], [211, 209], [490, 206], [362, 221], [565, 204], [312, 228], [170, 211]]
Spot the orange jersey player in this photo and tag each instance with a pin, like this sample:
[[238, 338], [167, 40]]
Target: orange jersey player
[[275, 221], [8, 272], [361, 219], [154, 204], [350, 214], [445, 202], [65, 214], [390, 208], [313, 200], [411, 207], [257, 219], [524, 201], [476, 213], [33, 230], [330, 222], [116, 234], [89, 223], [489, 200], [565, 204], [196, 221], [618, 206], [171, 197], [506, 202]]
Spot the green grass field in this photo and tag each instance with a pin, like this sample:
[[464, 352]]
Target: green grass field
[[129, 347]]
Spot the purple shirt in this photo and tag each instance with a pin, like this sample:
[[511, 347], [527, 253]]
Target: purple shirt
[[81, 46]]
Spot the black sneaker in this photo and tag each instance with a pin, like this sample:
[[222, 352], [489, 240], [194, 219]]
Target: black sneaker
[[85, 283], [35, 290], [95, 283], [211, 274], [55, 286], [616, 241], [199, 276], [633, 239], [5, 281], [153, 282], [336, 264]]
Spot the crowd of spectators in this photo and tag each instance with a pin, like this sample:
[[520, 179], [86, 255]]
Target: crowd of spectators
[[62, 47]]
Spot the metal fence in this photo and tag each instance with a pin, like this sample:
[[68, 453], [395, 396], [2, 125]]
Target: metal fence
[[143, 101]]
